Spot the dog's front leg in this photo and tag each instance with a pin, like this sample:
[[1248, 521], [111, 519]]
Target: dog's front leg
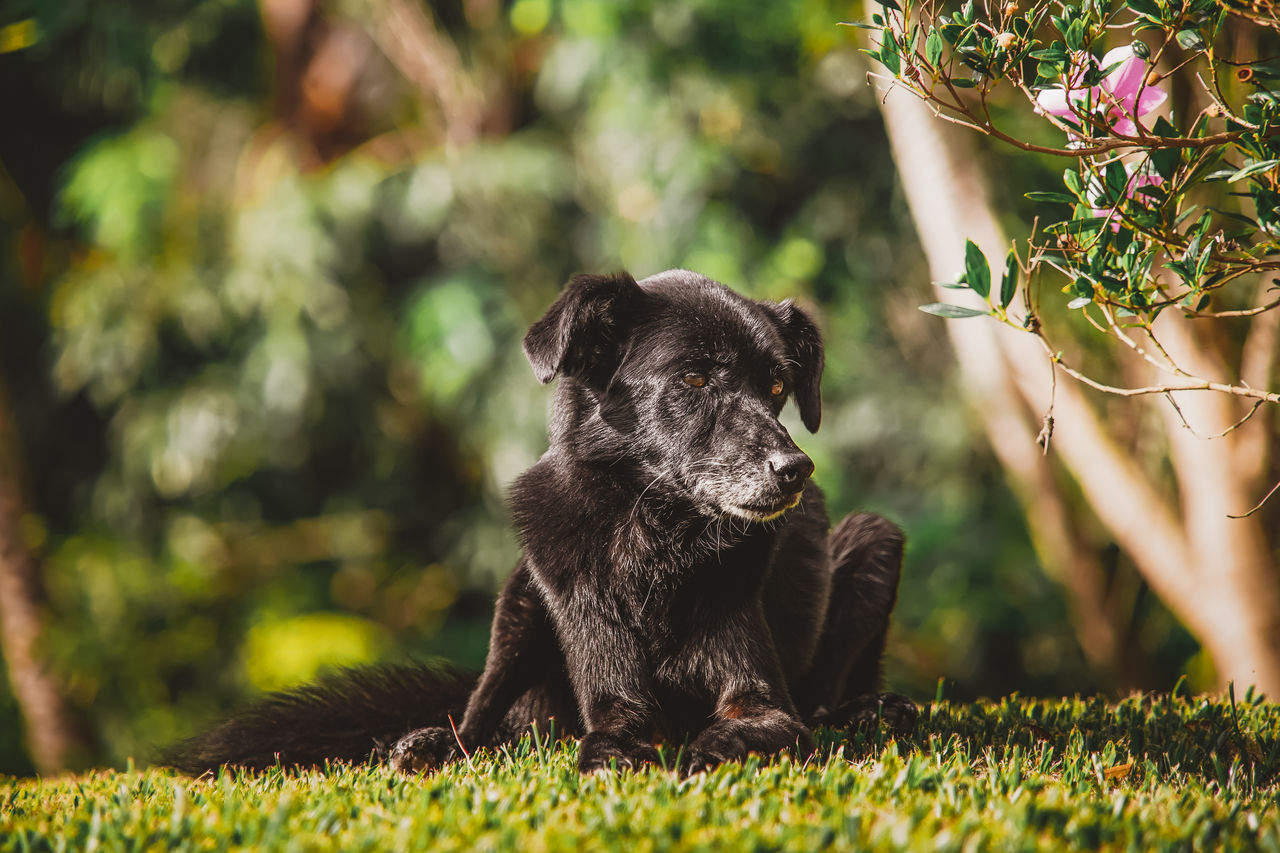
[[754, 713], [610, 676], [522, 651]]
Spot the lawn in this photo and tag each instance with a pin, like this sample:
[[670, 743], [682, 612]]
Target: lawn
[[1151, 773]]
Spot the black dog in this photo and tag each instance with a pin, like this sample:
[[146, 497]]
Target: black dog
[[677, 578]]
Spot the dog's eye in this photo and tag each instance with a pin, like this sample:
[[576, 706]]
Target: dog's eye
[[697, 380], [777, 387]]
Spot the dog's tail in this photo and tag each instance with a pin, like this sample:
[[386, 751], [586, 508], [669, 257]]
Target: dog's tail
[[349, 715]]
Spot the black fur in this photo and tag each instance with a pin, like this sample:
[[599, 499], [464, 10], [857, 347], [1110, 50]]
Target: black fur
[[347, 716], [677, 580]]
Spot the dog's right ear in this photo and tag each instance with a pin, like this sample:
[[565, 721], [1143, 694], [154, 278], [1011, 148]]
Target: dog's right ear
[[582, 333]]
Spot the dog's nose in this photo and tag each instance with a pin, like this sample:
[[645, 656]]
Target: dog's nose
[[791, 469]]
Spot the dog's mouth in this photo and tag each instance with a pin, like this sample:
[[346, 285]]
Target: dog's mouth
[[763, 512]]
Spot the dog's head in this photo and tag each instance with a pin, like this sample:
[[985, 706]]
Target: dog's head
[[687, 378]]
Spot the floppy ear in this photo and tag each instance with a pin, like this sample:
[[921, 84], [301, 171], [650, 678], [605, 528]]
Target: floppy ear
[[804, 344], [582, 333]]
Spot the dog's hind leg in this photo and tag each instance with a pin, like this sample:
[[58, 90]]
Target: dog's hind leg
[[550, 708], [842, 683]]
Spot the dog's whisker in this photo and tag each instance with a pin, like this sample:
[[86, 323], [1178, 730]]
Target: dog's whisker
[[636, 506]]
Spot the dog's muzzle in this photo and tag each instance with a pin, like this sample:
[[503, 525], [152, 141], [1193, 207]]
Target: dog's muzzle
[[791, 471], [788, 472]]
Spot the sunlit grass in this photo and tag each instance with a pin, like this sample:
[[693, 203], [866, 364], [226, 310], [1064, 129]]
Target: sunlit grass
[[1147, 774]]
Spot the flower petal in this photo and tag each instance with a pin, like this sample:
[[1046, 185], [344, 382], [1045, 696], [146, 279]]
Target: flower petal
[[1053, 101], [1112, 216], [1124, 82], [1151, 97], [1145, 179], [1123, 125]]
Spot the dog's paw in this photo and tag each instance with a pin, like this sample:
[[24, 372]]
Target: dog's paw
[[715, 746], [423, 749], [734, 740], [603, 751], [897, 713]]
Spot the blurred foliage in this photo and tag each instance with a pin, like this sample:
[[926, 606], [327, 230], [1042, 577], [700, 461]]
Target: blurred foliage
[[270, 384]]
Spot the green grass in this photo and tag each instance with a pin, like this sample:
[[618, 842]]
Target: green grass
[[1148, 774]]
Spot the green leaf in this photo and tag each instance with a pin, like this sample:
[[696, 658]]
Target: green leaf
[[975, 59], [1206, 161], [1239, 217], [1077, 226], [1200, 229], [933, 48], [1048, 71], [1145, 7], [1071, 179], [1253, 169], [1165, 160], [1074, 36], [953, 312], [1162, 127], [1009, 283], [1115, 178], [976, 269], [892, 4], [963, 83], [1060, 198], [1190, 40], [862, 25], [889, 52], [1268, 70], [1080, 302]]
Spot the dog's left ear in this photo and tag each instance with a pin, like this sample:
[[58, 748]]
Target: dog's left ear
[[804, 345], [581, 334]]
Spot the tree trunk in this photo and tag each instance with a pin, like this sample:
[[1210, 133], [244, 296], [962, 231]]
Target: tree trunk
[[1217, 575], [50, 738]]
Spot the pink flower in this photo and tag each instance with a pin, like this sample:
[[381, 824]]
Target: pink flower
[[1136, 182], [1121, 98]]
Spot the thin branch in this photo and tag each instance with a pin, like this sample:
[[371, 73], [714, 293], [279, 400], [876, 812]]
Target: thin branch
[[1274, 489], [988, 128], [1260, 20], [1217, 315], [1235, 426], [1151, 336], [1199, 384], [1215, 94], [1046, 424], [1112, 144], [1169, 367]]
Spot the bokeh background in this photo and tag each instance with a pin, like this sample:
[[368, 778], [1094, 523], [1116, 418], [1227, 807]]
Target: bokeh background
[[265, 268]]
